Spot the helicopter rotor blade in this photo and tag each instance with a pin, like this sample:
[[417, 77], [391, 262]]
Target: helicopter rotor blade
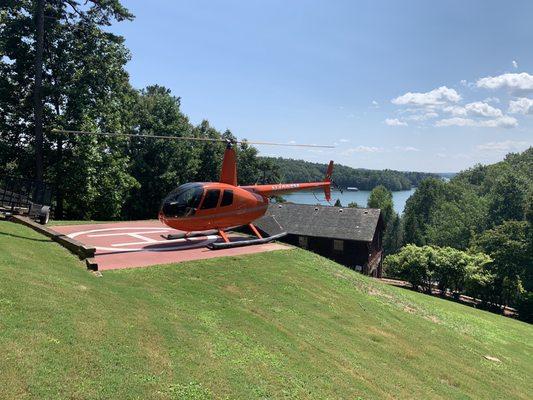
[[135, 135], [285, 144], [201, 139]]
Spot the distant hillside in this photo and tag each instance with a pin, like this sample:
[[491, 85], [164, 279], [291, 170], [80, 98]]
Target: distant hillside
[[277, 325], [364, 179], [447, 175], [483, 177]]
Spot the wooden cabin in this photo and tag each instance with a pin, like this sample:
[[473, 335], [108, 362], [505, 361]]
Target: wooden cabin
[[350, 236]]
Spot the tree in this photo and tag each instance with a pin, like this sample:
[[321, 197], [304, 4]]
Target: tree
[[160, 165], [37, 102], [392, 239], [353, 204], [412, 263], [304, 171], [506, 200], [528, 276], [84, 86], [455, 220], [525, 307], [448, 268], [479, 282], [418, 208], [381, 197], [338, 203], [508, 247]]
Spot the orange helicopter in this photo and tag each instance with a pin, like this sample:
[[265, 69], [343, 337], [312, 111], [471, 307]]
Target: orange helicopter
[[197, 207]]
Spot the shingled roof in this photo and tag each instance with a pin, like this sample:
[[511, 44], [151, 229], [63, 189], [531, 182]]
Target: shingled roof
[[358, 224]]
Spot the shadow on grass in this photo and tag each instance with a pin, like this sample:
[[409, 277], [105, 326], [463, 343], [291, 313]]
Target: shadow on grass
[[24, 237]]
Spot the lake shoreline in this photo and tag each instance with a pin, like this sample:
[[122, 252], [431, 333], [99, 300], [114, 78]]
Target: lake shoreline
[[399, 198]]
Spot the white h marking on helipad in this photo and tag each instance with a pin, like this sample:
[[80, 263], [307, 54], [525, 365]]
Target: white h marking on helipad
[[129, 233], [137, 232]]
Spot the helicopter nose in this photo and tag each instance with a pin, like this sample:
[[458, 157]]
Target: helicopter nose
[[167, 209]]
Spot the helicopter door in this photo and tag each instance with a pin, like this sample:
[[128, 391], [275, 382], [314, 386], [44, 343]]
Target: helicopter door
[[227, 198], [210, 199]]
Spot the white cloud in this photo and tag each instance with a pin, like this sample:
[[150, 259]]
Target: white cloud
[[501, 122], [437, 96], [477, 108], [363, 149], [395, 122], [406, 148], [344, 140], [455, 121], [511, 81], [375, 104], [423, 117], [483, 109], [522, 105], [515, 64], [505, 146], [456, 111], [492, 100]]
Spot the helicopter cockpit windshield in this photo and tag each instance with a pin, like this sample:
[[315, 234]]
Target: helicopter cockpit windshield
[[183, 201]]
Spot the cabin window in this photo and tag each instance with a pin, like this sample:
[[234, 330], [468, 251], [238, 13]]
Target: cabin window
[[227, 198], [338, 245], [183, 201], [303, 242], [211, 199]]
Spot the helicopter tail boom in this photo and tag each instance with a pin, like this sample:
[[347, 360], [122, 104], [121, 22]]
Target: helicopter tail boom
[[273, 190]]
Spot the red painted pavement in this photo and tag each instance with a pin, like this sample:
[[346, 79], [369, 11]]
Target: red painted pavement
[[139, 244]]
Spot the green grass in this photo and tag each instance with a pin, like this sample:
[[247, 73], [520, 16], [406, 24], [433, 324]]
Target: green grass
[[279, 325]]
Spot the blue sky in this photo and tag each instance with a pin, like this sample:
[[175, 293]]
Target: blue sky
[[411, 85]]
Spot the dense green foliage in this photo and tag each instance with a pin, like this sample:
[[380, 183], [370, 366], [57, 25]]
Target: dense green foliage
[[509, 249], [86, 87], [444, 214], [364, 179], [486, 209], [446, 268], [278, 325], [381, 197]]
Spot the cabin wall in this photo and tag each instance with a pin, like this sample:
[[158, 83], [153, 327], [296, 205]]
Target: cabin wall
[[354, 254]]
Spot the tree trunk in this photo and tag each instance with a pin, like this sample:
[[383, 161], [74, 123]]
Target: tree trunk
[[58, 212], [37, 98]]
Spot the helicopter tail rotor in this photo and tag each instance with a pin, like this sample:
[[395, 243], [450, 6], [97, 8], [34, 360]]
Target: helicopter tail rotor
[[327, 188]]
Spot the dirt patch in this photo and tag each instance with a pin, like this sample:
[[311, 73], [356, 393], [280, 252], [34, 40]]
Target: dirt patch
[[232, 289], [409, 309], [433, 319], [374, 292]]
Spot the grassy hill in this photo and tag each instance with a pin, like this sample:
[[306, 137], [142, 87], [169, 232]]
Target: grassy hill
[[287, 324]]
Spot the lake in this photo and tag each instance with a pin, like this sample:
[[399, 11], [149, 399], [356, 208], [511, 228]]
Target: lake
[[399, 198]]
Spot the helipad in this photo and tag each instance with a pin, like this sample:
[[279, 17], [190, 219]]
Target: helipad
[[141, 244]]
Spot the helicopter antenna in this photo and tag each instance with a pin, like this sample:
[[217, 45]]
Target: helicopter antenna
[[192, 138]]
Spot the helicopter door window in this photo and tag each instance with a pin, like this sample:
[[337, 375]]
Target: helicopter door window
[[183, 201], [227, 198], [211, 199]]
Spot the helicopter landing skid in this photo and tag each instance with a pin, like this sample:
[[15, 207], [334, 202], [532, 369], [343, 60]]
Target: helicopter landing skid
[[241, 243], [186, 235]]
